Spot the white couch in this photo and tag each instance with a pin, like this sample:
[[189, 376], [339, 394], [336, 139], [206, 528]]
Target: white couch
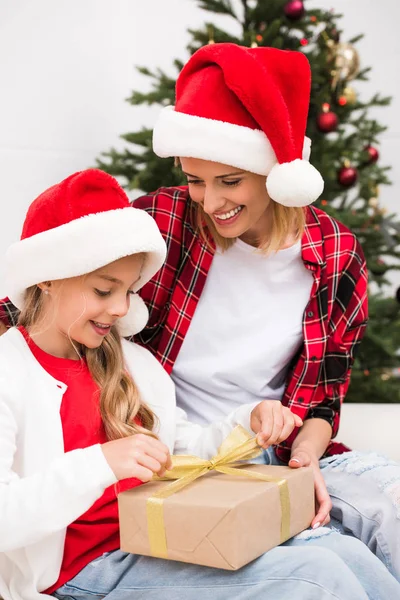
[[371, 427]]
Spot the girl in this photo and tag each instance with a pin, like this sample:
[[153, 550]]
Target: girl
[[81, 410]]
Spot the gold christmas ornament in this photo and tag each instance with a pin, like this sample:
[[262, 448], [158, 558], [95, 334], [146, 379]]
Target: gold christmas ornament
[[350, 95], [373, 202], [346, 61]]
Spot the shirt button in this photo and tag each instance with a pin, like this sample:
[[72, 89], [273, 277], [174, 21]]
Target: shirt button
[[310, 313], [313, 358], [300, 400]]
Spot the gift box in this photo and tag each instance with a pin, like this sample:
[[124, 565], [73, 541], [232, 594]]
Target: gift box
[[218, 519]]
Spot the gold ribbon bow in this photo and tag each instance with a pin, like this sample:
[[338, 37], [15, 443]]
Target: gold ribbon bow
[[239, 445]]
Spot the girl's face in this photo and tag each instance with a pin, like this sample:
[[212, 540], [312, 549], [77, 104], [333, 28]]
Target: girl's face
[[83, 309], [237, 201]]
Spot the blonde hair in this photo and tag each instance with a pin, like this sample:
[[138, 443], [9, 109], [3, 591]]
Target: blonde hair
[[120, 403]]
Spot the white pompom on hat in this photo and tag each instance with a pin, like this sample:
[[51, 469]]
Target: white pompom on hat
[[77, 226], [247, 108]]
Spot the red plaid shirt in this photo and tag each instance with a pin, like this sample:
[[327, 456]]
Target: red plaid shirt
[[334, 319]]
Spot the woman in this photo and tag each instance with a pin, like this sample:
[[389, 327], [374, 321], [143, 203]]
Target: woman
[[262, 296]]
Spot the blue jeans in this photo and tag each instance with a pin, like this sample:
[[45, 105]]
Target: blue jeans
[[365, 493], [316, 570]]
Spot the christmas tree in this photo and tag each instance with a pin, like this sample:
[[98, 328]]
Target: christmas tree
[[344, 141]]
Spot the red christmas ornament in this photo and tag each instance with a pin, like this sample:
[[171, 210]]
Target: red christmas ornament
[[304, 42], [347, 176], [327, 122], [373, 154], [294, 10]]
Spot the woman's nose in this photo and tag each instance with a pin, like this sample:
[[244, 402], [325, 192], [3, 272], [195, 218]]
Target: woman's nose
[[213, 201]]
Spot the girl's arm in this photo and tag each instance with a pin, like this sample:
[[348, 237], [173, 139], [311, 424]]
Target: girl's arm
[[204, 441], [36, 506]]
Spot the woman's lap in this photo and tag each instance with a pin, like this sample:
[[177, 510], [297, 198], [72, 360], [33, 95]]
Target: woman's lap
[[365, 493]]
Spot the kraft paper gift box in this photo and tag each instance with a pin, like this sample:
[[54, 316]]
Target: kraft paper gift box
[[221, 519]]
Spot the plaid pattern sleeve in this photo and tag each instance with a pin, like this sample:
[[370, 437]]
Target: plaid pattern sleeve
[[334, 324], [8, 313]]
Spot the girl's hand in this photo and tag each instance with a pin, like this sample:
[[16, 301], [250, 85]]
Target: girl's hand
[[304, 458], [137, 456], [273, 422]]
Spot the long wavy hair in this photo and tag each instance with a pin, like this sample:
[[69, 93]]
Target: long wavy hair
[[122, 411]]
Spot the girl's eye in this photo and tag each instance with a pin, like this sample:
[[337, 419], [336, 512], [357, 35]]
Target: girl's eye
[[102, 293], [232, 182], [194, 181]]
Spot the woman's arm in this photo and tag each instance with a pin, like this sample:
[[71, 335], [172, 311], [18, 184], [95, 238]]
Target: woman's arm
[[312, 438]]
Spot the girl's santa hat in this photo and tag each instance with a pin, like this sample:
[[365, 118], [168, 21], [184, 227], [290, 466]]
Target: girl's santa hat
[[246, 108], [77, 226]]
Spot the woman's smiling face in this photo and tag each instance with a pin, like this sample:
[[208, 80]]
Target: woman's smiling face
[[237, 201]]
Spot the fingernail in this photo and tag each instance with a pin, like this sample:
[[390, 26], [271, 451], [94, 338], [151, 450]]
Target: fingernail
[[295, 460], [316, 525]]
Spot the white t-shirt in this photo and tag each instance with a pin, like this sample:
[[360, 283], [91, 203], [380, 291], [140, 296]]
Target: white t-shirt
[[246, 329]]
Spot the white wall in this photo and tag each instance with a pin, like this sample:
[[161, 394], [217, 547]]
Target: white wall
[[66, 67]]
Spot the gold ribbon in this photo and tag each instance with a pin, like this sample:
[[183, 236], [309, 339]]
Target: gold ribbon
[[239, 445]]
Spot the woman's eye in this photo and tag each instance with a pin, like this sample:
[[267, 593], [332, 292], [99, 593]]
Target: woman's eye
[[194, 181], [102, 293], [232, 182]]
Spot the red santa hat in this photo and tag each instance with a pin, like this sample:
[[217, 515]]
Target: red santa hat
[[246, 108], [77, 226]]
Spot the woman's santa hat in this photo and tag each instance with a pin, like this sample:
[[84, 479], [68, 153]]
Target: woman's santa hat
[[77, 226], [246, 108]]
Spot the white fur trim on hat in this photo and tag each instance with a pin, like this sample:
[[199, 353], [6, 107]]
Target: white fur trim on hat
[[296, 183], [179, 134], [136, 318], [82, 246]]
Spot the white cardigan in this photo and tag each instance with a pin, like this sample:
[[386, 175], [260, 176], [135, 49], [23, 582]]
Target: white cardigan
[[43, 489]]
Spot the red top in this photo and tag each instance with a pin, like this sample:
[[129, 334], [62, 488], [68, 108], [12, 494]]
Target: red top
[[97, 530]]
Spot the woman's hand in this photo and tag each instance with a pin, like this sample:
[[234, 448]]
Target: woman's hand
[[302, 457], [273, 422], [137, 456]]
